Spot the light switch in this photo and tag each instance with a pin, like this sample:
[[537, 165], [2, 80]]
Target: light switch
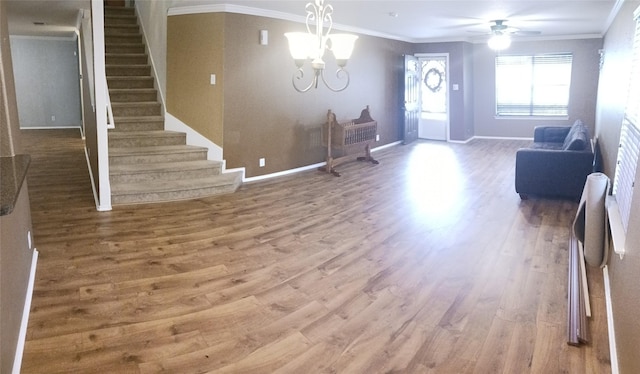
[[213, 79], [264, 37], [455, 87]]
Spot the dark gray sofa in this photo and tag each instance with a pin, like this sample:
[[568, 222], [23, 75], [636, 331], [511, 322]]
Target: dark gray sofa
[[556, 164]]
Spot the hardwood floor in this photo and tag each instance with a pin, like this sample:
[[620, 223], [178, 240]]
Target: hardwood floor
[[426, 263]]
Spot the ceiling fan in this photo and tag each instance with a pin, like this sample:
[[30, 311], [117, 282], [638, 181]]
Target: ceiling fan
[[499, 27], [501, 34]]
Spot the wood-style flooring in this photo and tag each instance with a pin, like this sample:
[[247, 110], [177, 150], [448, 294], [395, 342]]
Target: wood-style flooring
[[426, 263]]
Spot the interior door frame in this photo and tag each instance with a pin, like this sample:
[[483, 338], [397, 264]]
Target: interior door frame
[[422, 56]]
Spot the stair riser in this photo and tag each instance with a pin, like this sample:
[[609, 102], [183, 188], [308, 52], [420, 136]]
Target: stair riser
[[135, 142], [124, 48], [172, 196], [119, 11], [138, 126], [123, 59], [108, 39], [152, 109], [153, 158], [127, 97], [138, 82], [161, 176], [121, 30], [124, 71], [120, 20]]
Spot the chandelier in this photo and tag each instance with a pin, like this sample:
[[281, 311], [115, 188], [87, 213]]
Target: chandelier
[[311, 47]]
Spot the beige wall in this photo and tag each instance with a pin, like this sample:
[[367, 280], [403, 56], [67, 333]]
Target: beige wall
[[263, 116], [584, 84], [624, 273], [195, 50]]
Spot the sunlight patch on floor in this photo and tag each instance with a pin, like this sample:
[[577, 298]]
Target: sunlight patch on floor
[[435, 183]]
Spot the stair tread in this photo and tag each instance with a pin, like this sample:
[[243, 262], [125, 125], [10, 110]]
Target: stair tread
[[129, 77], [174, 185], [161, 166], [145, 133], [153, 150], [133, 103], [134, 89], [138, 119]]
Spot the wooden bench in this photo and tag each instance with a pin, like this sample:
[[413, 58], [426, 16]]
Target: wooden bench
[[348, 137]]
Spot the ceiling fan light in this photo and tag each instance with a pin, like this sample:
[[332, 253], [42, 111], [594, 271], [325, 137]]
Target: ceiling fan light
[[499, 42]]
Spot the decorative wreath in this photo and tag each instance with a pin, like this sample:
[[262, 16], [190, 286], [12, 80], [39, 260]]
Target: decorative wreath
[[433, 79]]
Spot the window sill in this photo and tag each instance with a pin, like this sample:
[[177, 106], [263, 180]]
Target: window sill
[[616, 230], [535, 118]]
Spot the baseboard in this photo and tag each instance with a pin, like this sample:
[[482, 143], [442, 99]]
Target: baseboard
[[501, 138], [51, 128], [300, 169], [613, 351], [22, 337], [282, 173]]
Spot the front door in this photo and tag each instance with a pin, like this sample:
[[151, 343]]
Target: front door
[[411, 98], [434, 116]]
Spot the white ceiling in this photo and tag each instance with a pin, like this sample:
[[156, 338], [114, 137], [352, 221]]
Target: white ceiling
[[414, 21]]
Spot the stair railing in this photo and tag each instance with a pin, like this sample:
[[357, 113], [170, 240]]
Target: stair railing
[[111, 123]]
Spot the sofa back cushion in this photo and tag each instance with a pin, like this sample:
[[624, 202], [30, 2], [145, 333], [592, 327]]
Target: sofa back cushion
[[578, 137]]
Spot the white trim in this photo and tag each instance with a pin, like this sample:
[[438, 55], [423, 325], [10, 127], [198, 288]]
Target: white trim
[[22, 335], [93, 185], [300, 169], [613, 351], [100, 88], [501, 137], [282, 173], [151, 61], [52, 127], [70, 38], [618, 236], [460, 141], [230, 8], [172, 123]]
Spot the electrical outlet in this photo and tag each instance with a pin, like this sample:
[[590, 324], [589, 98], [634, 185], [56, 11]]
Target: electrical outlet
[[261, 162], [53, 118], [377, 137]]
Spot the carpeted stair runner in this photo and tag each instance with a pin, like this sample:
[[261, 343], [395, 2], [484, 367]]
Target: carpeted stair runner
[[148, 164]]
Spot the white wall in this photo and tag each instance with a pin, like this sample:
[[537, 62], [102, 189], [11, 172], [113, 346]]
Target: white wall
[[47, 81], [153, 19]]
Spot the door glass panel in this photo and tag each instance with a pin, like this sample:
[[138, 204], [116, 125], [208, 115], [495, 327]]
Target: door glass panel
[[434, 85]]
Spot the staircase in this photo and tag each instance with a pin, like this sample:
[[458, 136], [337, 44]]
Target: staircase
[[148, 164]]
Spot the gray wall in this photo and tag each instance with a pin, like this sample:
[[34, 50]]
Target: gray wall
[[460, 73], [47, 81], [623, 273], [584, 85]]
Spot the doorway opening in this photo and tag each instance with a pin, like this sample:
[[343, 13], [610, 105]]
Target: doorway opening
[[434, 92]]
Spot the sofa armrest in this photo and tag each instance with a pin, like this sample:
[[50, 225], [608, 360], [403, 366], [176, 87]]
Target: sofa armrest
[[550, 134], [552, 172]]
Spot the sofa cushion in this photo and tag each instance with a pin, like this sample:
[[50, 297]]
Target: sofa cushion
[[577, 138]]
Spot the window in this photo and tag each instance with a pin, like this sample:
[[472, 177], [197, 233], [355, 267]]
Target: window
[[533, 85], [629, 137]]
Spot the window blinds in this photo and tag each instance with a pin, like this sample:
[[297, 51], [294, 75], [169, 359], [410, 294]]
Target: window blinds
[[629, 137], [535, 85]]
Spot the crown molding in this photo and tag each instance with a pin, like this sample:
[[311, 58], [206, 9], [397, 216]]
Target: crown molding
[[239, 9]]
